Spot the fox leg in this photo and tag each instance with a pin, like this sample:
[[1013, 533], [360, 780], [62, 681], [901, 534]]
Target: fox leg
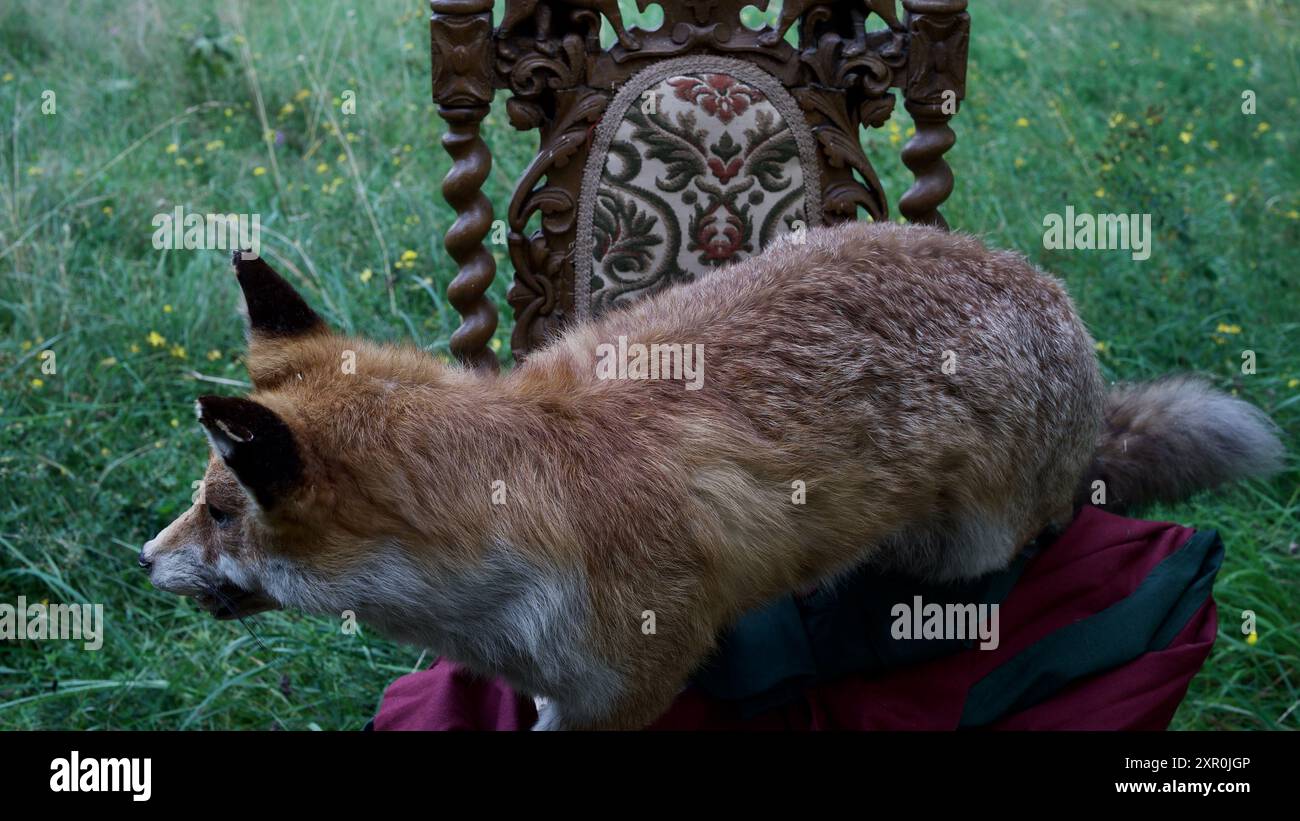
[[648, 689], [965, 545]]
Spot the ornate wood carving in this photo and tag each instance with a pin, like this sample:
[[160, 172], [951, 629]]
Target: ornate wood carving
[[520, 10], [547, 55], [461, 35], [939, 33], [850, 75], [548, 84]]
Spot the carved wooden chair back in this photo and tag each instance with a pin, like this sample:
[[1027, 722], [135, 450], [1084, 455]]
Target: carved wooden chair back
[[674, 151]]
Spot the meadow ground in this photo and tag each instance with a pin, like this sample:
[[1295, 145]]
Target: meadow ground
[[235, 108]]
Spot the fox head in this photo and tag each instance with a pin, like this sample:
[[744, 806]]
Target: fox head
[[294, 509]]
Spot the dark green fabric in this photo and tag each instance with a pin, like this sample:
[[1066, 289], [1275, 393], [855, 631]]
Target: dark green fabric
[[767, 651], [772, 653], [1147, 620]]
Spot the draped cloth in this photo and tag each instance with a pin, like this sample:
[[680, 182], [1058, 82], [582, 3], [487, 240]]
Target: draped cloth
[[1102, 628]]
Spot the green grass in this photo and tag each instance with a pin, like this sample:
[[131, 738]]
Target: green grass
[[162, 104]]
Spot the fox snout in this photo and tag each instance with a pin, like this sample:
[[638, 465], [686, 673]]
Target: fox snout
[[173, 568], [222, 587]]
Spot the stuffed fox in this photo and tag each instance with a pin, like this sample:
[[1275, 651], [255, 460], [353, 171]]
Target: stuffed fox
[[865, 393]]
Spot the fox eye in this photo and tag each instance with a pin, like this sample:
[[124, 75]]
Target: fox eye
[[218, 515]]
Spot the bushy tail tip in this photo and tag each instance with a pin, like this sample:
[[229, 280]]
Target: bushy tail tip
[[1165, 440]]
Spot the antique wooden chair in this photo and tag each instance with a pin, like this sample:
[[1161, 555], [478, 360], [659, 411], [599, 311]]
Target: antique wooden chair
[[673, 151], [677, 150]]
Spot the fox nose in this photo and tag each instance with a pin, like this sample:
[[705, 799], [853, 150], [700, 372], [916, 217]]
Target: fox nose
[[143, 559]]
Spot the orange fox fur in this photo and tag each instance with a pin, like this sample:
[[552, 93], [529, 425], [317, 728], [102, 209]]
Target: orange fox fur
[[937, 403]]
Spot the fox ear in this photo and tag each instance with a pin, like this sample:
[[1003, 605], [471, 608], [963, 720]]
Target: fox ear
[[275, 309], [255, 444]]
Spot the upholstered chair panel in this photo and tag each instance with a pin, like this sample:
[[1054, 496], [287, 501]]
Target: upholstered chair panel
[[698, 162]]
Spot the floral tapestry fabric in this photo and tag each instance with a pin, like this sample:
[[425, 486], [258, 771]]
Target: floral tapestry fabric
[[702, 169]]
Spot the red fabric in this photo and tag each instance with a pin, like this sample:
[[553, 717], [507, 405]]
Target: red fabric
[[1099, 560]]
